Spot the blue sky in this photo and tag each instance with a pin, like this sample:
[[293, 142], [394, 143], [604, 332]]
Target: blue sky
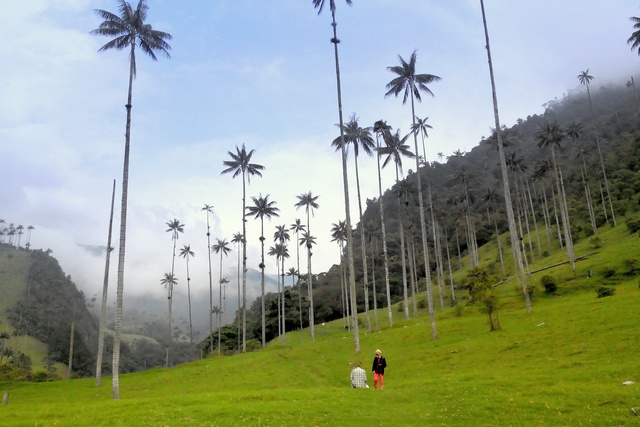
[[260, 73]]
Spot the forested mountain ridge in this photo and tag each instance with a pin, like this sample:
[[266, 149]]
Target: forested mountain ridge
[[40, 301]]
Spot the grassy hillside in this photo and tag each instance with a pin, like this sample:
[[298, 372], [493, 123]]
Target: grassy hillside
[[563, 364]]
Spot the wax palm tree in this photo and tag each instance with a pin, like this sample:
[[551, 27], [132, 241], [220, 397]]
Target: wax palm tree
[[105, 291], [186, 253], [411, 84], [220, 247], [175, 228], [360, 139], [520, 275], [585, 79], [382, 129], [209, 210], [395, 149], [319, 4], [262, 208], [130, 30], [238, 239], [551, 136], [240, 164], [632, 85], [297, 227], [169, 281], [309, 202]]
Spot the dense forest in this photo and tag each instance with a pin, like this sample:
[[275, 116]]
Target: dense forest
[[582, 152]]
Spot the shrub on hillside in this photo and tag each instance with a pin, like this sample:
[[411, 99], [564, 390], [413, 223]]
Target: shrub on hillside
[[633, 225], [595, 243], [608, 272], [605, 291], [549, 283]]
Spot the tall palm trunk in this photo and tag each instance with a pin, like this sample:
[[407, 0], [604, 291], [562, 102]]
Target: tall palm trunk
[[105, 288], [262, 307], [382, 226], [299, 286], [189, 299], [352, 275], [115, 379], [239, 294], [403, 260], [210, 288], [373, 282], [363, 247], [244, 265], [564, 213], [423, 229], [505, 178], [312, 327], [220, 311], [604, 170]]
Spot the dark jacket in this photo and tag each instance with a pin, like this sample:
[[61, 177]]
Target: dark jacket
[[379, 363]]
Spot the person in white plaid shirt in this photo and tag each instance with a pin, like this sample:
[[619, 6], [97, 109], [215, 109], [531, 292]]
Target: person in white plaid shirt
[[358, 377]]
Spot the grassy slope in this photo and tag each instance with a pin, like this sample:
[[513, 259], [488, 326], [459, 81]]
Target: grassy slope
[[562, 364]]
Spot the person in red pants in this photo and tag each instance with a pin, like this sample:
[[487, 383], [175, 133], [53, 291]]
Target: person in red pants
[[379, 363]]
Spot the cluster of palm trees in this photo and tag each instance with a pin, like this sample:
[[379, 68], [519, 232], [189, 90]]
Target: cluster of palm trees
[[11, 234]]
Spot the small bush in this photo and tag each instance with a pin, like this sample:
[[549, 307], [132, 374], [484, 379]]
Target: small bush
[[605, 291], [595, 243], [549, 283], [458, 309], [633, 225], [422, 303], [608, 272]]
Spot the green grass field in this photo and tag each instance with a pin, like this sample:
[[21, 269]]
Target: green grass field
[[563, 364]]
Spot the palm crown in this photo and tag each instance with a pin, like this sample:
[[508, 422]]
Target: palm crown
[[408, 81], [130, 29]]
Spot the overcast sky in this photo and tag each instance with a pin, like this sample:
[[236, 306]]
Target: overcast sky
[[259, 73]]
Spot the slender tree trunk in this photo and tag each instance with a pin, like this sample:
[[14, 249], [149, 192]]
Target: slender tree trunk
[[189, 299], [211, 289], [405, 296], [604, 170], [105, 289], [262, 307], [423, 229], [566, 225], [244, 266], [382, 226], [310, 284], [71, 338], [220, 285], [238, 315], [115, 378], [373, 282], [299, 286], [365, 282], [352, 276], [505, 178], [587, 194]]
